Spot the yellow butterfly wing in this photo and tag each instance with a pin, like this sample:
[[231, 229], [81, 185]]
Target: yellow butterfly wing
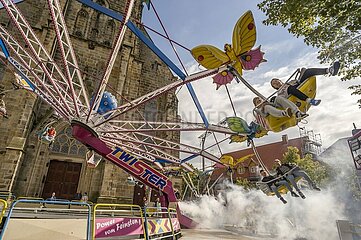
[[209, 57], [244, 34], [242, 159], [228, 160]]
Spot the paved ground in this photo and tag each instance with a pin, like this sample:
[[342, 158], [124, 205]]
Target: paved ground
[[194, 234]]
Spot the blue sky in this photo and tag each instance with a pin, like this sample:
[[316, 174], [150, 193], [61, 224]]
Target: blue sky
[[192, 23]]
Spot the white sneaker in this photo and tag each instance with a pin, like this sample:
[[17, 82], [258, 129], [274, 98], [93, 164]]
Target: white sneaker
[[300, 115]]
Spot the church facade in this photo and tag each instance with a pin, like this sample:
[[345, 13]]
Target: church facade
[[29, 167]]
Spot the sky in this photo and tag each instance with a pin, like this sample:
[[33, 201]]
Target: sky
[[192, 23]]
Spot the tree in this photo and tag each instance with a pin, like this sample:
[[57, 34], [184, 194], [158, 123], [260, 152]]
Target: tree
[[332, 26], [316, 171], [245, 183]]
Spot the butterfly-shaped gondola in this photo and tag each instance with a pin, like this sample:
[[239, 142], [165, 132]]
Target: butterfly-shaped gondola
[[239, 55], [243, 130]]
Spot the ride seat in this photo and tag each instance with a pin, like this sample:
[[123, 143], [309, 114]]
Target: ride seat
[[278, 124]]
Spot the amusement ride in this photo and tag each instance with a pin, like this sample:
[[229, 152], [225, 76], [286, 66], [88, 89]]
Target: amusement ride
[[96, 119]]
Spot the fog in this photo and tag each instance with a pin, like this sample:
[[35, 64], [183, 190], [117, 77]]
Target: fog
[[252, 212]]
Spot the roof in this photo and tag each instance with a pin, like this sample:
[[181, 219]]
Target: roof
[[269, 152]]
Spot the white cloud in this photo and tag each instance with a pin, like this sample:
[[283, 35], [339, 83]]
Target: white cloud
[[332, 118], [285, 53]]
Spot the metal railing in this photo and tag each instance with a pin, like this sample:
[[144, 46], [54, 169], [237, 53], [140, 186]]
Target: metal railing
[[108, 220], [41, 209], [116, 217], [122, 220], [157, 218], [7, 196]]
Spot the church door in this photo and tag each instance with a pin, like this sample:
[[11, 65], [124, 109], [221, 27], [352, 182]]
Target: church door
[[63, 179]]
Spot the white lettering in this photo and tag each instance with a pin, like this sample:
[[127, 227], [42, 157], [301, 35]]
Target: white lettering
[[105, 224], [127, 224], [109, 231]]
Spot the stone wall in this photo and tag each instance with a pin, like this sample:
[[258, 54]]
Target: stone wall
[[136, 72]]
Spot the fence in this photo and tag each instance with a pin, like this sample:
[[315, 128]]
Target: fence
[[122, 221], [42, 218], [161, 223], [57, 219]]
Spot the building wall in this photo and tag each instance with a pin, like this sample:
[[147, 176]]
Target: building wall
[[136, 72], [268, 153]]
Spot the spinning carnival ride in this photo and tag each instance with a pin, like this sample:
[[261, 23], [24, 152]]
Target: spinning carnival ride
[[128, 144], [95, 119]]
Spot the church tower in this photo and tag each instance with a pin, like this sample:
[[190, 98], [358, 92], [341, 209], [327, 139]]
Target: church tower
[[29, 167]]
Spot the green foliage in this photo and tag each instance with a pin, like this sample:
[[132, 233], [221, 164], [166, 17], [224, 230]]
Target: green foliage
[[332, 26], [355, 188], [314, 169], [245, 183]]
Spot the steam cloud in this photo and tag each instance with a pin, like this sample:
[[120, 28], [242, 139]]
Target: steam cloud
[[253, 212]]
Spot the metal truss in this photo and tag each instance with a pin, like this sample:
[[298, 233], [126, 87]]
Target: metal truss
[[121, 126], [145, 98], [113, 55], [63, 88], [69, 60], [157, 145], [43, 62], [32, 74]]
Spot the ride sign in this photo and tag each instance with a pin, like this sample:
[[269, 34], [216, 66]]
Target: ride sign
[[139, 168]]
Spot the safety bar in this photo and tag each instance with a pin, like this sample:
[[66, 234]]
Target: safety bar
[[43, 202], [297, 75], [279, 177]]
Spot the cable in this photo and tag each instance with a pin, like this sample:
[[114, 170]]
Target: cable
[[230, 99]]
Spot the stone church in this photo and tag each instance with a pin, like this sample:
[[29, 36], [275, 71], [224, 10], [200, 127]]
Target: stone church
[[29, 167]]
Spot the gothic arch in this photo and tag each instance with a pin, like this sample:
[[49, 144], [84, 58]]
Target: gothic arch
[[98, 25], [109, 32], [65, 144], [81, 23]]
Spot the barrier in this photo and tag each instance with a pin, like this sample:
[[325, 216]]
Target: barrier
[[161, 223], [80, 206], [3, 209], [47, 222], [38, 217], [117, 220], [7, 196], [122, 221]]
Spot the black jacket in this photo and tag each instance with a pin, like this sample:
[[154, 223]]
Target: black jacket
[[284, 168], [269, 179]]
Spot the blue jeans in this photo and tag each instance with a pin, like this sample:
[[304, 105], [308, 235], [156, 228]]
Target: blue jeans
[[299, 173], [275, 186]]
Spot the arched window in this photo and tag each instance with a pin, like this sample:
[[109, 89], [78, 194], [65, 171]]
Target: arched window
[[109, 33], [81, 23], [64, 143], [98, 26]]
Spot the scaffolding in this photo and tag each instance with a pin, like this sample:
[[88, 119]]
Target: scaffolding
[[354, 143], [311, 142]]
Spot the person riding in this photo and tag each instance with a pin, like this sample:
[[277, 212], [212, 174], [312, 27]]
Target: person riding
[[273, 183], [291, 88], [271, 108], [291, 172]]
